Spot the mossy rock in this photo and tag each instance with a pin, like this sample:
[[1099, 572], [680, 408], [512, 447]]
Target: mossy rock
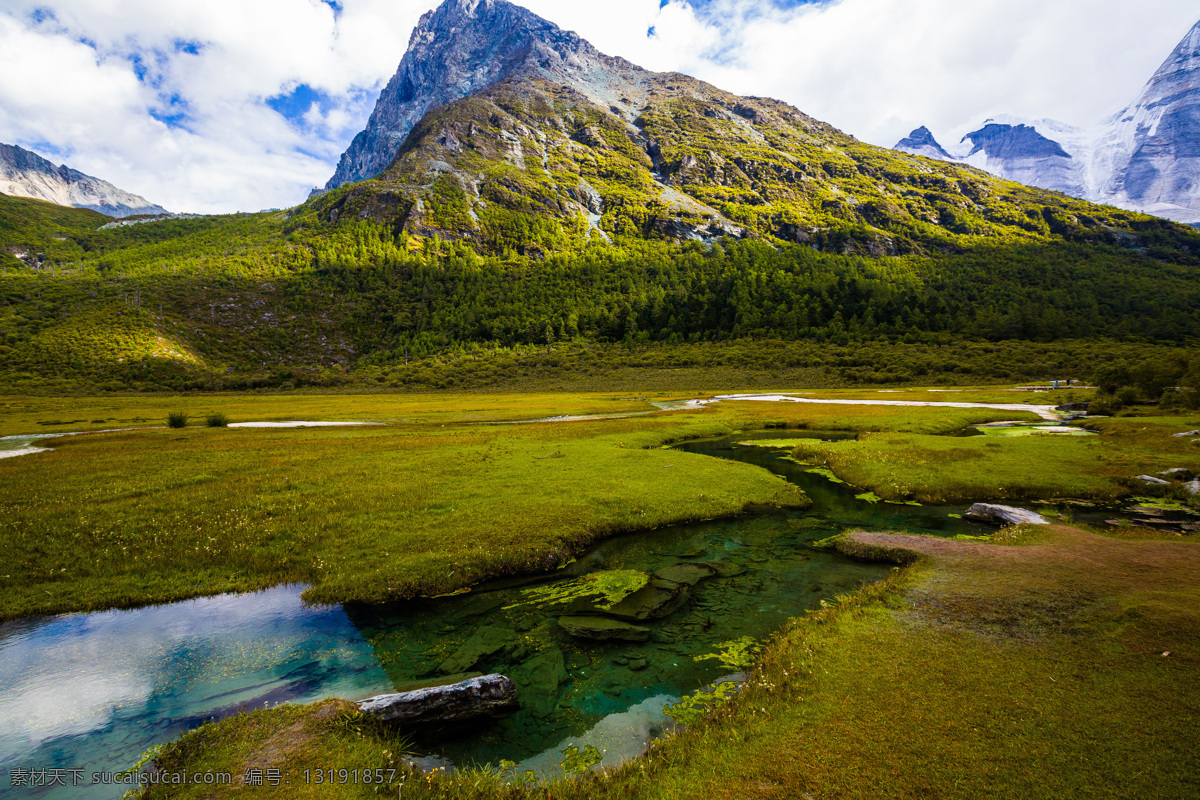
[[486, 641], [660, 599], [603, 629]]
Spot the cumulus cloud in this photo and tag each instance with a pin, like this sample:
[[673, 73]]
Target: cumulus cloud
[[222, 105]]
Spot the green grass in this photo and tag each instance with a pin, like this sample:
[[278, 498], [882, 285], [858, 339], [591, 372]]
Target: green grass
[[1028, 667], [366, 513], [946, 469]]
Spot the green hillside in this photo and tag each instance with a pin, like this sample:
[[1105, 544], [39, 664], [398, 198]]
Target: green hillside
[[530, 230]]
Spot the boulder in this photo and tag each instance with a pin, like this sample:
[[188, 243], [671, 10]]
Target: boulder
[[603, 629], [1193, 487], [486, 696], [1003, 515], [1178, 474], [1153, 481], [688, 574], [657, 599]]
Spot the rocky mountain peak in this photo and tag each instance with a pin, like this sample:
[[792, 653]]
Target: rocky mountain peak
[[459, 48], [24, 173], [922, 143]]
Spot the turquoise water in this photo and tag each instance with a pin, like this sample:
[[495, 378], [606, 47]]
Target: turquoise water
[[92, 691]]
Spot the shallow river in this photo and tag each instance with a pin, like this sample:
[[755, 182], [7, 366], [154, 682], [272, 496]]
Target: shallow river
[[93, 691]]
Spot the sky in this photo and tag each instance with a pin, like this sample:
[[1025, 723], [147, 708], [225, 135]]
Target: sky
[[214, 106]]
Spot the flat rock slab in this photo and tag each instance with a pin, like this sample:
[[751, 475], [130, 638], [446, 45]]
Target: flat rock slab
[[486, 696], [603, 629], [1003, 515], [659, 598], [688, 574], [1186, 433]]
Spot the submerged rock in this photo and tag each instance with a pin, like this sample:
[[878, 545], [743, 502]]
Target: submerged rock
[[486, 696], [603, 629], [484, 642], [660, 598], [1003, 515], [539, 679], [688, 574], [724, 569]]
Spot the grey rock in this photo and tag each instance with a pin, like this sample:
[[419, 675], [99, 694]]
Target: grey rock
[[1003, 515], [1186, 434], [1153, 481], [26, 174], [1193, 487], [490, 695], [603, 629], [1178, 474]]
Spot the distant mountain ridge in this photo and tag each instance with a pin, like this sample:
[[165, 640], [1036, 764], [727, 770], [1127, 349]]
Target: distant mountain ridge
[[1146, 157], [24, 173]]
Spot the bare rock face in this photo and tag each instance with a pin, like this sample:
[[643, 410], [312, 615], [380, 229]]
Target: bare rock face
[[486, 696], [26, 174], [457, 49], [1003, 515]]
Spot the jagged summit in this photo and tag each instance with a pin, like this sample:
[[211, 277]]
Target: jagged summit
[[457, 49], [1145, 157], [922, 143], [24, 173]]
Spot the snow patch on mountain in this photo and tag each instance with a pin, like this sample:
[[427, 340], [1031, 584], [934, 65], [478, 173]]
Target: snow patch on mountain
[[1145, 157]]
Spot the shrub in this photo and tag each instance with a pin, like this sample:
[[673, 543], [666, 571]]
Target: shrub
[[177, 419], [216, 420]]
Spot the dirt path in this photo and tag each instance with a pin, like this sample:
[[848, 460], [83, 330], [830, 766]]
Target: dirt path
[[1045, 412]]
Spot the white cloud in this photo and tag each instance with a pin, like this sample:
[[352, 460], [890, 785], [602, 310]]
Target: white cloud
[[875, 68]]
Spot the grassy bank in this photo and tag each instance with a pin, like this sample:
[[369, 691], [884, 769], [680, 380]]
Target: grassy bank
[[368, 513], [903, 466], [1034, 666]]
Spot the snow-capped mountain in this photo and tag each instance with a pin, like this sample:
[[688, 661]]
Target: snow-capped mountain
[[1145, 157], [26, 174]]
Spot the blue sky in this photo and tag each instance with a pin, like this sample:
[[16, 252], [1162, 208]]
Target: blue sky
[[222, 105]]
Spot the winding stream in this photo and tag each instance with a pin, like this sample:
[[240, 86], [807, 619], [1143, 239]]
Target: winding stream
[[93, 691]]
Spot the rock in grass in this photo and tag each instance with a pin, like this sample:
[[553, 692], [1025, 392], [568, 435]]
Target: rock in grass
[[1153, 481], [1193, 487], [1003, 515], [1178, 474], [486, 696], [1186, 433], [603, 629], [689, 574]]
